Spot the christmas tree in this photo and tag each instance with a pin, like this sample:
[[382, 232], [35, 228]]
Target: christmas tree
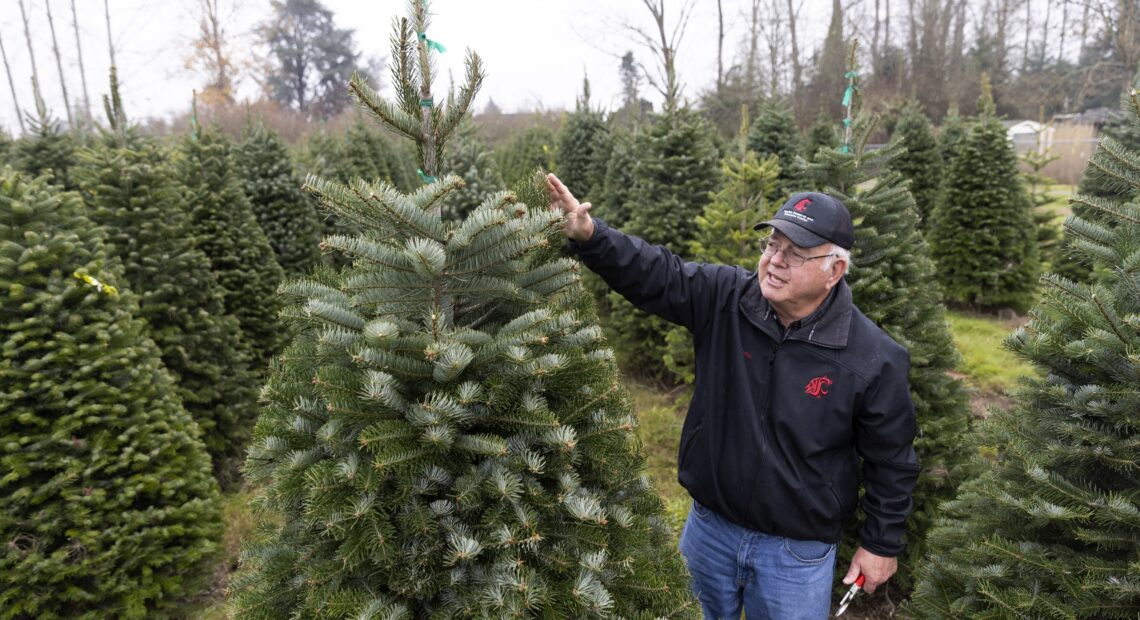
[[226, 230], [983, 235], [749, 194], [922, 165], [581, 148], [446, 436], [674, 173], [128, 185], [892, 281], [1050, 529], [774, 133], [107, 505], [285, 214]]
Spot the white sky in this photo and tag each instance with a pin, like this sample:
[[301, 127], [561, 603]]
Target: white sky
[[534, 51]]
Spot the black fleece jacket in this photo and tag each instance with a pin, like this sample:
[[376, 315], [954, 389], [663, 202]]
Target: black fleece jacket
[[780, 419]]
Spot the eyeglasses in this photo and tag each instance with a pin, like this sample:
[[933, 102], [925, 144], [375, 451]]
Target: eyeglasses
[[793, 258]]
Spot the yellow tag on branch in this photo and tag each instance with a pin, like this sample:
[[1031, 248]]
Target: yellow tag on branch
[[99, 286]]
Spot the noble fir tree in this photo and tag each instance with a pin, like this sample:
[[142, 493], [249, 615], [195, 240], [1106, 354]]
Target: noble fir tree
[[749, 193], [1050, 528], [581, 147], [922, 164], [284, 212], [107, 505], [674, 172], [891, 280], [446, 436], [774, 133], [983, 235], [129, 188], [226, 230]]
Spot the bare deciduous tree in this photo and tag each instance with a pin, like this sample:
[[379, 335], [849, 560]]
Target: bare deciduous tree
[[59, 64], [663, 46], [12, 86], [79, 55], [210, 55]]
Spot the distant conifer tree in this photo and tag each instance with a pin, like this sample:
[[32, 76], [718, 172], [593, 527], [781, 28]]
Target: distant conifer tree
[[107, 505]]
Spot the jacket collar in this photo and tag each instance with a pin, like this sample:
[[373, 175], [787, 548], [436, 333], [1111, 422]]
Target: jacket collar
[[828, 326]]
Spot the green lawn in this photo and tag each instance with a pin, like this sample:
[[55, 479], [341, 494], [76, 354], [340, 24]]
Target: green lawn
[[987, 365], [660, 417]]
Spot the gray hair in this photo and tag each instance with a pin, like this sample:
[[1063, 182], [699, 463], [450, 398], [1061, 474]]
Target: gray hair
[[836, 254]]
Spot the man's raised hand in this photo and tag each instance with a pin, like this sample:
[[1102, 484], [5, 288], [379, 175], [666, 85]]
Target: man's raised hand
[[578, 225]]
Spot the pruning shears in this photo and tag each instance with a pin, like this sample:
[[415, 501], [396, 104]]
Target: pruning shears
[[847, 598]]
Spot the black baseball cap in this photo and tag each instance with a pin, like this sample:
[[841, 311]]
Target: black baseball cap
[[809, 219]]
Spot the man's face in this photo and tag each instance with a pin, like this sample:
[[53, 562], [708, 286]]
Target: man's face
[[791, 289]]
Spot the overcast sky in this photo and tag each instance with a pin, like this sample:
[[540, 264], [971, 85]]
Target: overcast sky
[[534, 51]]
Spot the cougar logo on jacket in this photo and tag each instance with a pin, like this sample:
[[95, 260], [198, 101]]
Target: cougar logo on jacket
[[817, 387]]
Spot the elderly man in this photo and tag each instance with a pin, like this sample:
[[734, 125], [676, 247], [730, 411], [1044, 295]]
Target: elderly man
[[794, 384]]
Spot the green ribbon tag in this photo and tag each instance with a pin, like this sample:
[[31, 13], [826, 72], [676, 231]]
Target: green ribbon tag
[[425, 178], [844, 149], [436, 45], [850, 75], [425, 103], [847, 94]]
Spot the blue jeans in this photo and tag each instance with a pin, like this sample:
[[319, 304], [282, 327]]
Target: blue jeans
[[769, 577]]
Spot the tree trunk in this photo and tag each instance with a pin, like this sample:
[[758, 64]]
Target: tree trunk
[[1064, 30], [719, 46], [752, 62], [59, 65], [774, 48], [79, 54], [110, 42], [32, 56], [912, 48], [875, 40], [797, 66], [1028, 29], [12, 87]]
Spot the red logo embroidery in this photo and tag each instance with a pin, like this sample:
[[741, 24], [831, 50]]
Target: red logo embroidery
[[802, 205], [748, 355], [817, 387]]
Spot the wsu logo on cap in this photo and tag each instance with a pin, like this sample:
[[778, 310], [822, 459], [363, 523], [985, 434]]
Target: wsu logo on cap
[[817, 387], [801, 206]]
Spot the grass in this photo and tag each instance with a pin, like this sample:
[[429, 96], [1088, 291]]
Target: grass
[[238, 521], [660, 417], [986, 364]]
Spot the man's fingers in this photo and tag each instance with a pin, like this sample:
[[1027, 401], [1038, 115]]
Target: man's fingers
[[585, 206]]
